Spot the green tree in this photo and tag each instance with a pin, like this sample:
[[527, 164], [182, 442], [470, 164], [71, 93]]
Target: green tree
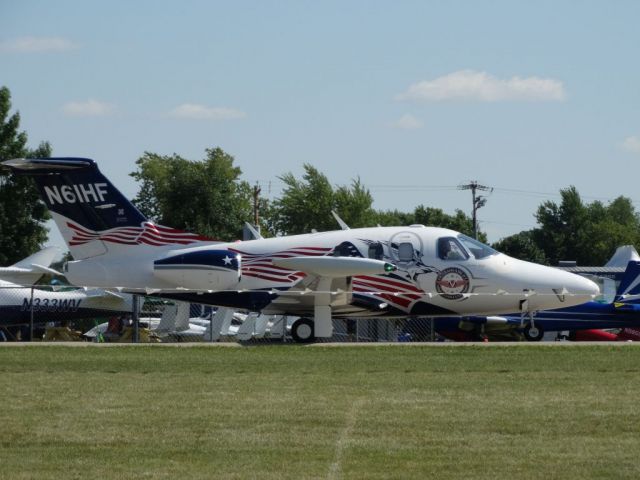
[[522, 246], [588, 233], [435, 217], [306, 204], [431, 217], [22, 213], [562, 227], [394, 218], [610, 226], [354, 204], [206, 197]]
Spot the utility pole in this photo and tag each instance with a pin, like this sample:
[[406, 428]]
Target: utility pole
[[478, 201], [256, 206]]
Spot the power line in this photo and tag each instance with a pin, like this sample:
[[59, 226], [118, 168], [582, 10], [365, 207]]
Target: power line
[[272, 186]]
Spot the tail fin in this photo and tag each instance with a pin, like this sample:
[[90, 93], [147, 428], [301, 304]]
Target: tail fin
[[89, 211], [629, 289], [29, 270]]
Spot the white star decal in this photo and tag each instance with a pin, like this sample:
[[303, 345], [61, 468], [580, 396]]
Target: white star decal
[[227, 260]]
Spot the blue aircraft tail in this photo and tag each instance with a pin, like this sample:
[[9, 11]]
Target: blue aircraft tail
[[629, 289], [93, 216]]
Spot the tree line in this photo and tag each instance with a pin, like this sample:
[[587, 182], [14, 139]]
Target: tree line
[[208, 196]]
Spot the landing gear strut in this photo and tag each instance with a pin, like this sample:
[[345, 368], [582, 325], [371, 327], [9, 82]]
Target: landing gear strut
[[530, 331]]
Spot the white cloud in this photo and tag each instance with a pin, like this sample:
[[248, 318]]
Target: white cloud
[[90, 108], [631, 144], [482, 87], [407, 122], [202, 112], [36, 45]]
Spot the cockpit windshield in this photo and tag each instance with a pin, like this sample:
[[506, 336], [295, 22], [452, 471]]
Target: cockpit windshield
[[477, 249], [450, 249]]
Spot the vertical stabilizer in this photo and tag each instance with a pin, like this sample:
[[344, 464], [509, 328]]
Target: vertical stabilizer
[[93, 216], [629, 289]]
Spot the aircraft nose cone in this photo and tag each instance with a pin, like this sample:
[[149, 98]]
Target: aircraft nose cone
[[584, 287], [554, 288], [575, 289]]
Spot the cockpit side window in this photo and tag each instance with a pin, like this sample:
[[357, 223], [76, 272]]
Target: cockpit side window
[[376, 251], [478, 249], [450, 249]]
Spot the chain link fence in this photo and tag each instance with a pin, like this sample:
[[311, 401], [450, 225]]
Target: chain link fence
[[50, 313]]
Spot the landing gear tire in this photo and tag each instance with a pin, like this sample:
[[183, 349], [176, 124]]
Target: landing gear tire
[[533, 334], [302, 331]]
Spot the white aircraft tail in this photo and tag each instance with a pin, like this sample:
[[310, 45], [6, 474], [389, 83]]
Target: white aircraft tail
[[29, 270], [93, 216], [175, 318], [245, 332], [168, 319], [219, 323], [182, 317]]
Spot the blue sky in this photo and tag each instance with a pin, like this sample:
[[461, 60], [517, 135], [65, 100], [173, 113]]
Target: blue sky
[[414, 98]]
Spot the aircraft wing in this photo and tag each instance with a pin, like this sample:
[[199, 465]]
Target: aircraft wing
[[43, 269], [327, 280]]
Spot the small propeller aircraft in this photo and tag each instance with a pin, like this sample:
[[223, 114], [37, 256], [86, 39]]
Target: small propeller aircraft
[[386, 272]]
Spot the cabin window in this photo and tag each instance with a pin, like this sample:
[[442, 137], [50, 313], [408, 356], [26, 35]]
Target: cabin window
[[450, 249], [405, 252], [478, 249], [376, 251]]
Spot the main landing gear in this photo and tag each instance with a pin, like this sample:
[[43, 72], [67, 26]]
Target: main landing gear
[[303, 330]]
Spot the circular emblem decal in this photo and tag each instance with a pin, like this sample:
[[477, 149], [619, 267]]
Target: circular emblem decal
[[452, 283]]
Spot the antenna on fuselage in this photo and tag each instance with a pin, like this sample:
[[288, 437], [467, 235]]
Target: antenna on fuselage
[[342, 223]]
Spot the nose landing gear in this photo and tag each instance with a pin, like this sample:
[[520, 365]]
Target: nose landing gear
[[530, 331]]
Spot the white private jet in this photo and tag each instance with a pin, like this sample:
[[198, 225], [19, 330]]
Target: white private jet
[[383, 272]]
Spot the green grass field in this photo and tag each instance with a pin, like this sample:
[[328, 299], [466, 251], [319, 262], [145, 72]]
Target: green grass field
[[276, 412]]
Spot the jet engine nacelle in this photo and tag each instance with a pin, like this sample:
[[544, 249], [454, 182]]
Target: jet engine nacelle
[[200, 270]]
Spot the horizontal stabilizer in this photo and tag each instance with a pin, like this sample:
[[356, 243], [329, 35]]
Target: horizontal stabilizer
[[30, 269], [42, 269]]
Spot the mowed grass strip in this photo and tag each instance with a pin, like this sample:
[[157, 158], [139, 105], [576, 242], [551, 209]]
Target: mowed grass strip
[[298, 412]]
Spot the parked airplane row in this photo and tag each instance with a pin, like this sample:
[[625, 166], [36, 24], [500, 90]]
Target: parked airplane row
[[585, 320], [388, 272]]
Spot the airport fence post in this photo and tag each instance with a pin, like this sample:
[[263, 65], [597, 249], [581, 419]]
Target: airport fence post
[[31, 317], [136, 318], [284, 329]]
